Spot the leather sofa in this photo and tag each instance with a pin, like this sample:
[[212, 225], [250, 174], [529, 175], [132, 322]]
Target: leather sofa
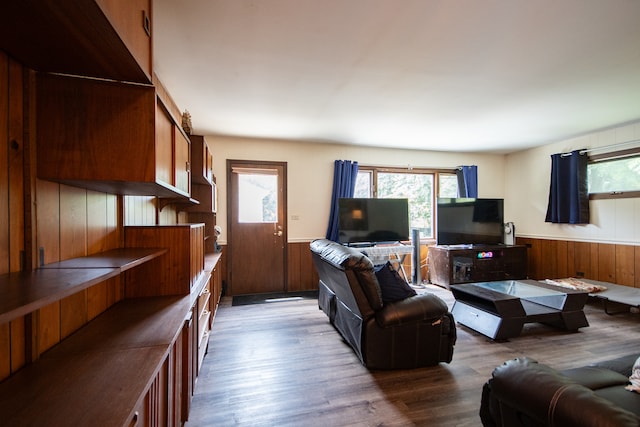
[[523, 392], [413, 332]]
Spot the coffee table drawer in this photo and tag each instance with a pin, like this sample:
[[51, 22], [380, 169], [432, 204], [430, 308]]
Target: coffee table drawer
[[486, 323]]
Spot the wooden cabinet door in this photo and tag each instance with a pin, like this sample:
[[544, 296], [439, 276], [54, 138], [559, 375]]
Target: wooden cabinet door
[[132, 21], [164, 145], [183, 161], [115, 148], [202, 161]]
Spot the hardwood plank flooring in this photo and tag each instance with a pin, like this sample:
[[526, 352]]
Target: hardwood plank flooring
[[283, 364]]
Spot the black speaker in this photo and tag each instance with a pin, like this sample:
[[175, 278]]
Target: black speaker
[[416, 278]]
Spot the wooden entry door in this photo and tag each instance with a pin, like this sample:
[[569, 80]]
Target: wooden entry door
[[257, 226]]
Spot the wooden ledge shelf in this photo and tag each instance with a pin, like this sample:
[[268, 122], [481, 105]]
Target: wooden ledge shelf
[[123, 259], [24, 292], [114, 357]]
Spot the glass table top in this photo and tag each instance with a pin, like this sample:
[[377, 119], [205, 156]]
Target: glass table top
[[517, 289]]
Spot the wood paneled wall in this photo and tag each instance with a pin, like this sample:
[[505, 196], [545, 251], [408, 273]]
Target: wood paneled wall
[[12, 206], [12, 157], [301, 273], [546, 259], [612, 263], [72, 222], [144, 210]]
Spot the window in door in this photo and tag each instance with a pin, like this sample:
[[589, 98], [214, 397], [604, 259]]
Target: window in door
[[257, 198]]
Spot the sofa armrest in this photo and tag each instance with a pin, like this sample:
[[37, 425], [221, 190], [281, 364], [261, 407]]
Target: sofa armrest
[[551, 398], [413, 309]]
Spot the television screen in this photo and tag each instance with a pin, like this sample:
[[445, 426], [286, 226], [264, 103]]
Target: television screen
[[465, 221], [373, 220]]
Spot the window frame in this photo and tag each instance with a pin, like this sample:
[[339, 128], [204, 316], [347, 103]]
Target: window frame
[[375, 170], [612, 156]]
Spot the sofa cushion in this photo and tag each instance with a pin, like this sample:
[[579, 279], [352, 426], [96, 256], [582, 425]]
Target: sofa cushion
[[393, 287], [622, 365], [595, 377], [625, 399]]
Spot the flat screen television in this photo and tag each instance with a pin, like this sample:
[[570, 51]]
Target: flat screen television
[[465, 221], [373, 220]]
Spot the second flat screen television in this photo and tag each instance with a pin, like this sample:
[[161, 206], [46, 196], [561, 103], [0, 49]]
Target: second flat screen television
[[465, 221], [373, 220]]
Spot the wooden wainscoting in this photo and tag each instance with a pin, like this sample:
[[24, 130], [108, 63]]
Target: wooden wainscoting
[[607, 262], [301, 273]]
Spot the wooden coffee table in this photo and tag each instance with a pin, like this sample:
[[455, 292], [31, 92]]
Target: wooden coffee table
[[500, 309]]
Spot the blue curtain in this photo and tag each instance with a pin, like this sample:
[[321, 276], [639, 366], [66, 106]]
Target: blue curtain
[[568, 193], [467, 181], [344, 182]]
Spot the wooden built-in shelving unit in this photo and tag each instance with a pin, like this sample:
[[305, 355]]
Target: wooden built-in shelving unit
[[130, 353], [117, 337], [100, 375]]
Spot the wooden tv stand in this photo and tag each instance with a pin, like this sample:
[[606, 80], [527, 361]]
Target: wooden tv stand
[[453, 264]]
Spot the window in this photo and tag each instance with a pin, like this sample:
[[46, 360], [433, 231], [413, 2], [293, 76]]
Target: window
[[614, 175], [257, 198], [420, 186], [448, 185]]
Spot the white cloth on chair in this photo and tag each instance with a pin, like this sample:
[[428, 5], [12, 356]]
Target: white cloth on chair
[[634, 379]]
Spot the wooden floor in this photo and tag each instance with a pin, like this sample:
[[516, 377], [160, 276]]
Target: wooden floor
[[283, 364]]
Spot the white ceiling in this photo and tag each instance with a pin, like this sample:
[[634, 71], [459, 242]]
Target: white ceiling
[[454, 75]]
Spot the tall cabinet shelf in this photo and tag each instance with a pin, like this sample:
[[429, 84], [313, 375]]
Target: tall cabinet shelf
[[203, 187], [102, 121]]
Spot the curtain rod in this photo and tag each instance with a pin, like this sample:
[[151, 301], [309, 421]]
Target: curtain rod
[[606, 147]]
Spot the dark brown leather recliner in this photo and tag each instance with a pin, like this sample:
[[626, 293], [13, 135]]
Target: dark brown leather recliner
[[414, 332]]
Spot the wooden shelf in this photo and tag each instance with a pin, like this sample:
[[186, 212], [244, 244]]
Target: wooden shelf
[[122, 259], [210, 260], [115, 357], [24, 292], [131, 323]]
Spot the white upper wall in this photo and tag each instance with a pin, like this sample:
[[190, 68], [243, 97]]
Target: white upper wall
[[521, 178], [527, 193], [310, 174]]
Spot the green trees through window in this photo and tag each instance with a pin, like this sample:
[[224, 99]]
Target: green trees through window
[[418, 186], [614, 175]]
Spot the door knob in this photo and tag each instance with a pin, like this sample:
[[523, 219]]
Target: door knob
[[278, 233]]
